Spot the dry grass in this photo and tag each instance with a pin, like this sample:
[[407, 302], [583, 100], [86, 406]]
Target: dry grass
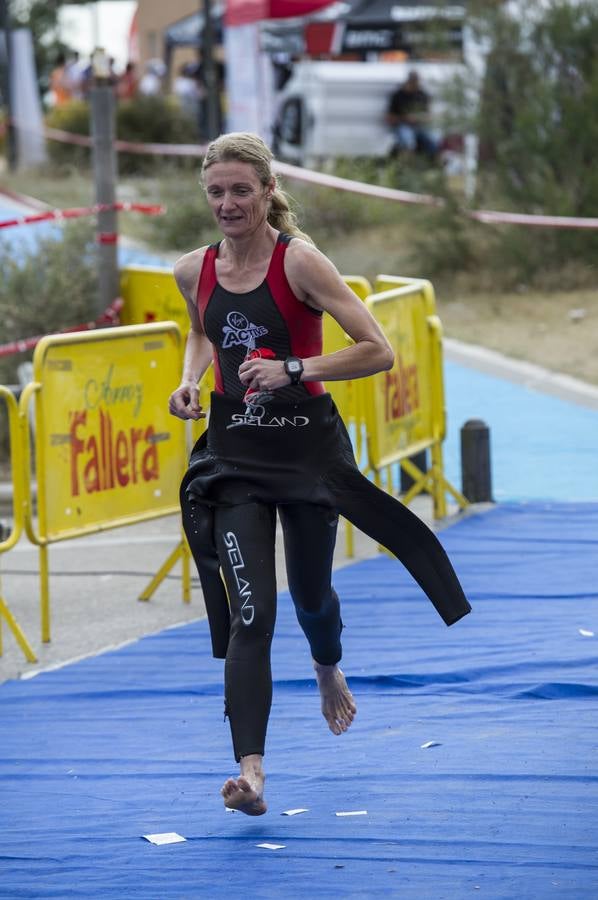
[[556, 330], [59, 193]]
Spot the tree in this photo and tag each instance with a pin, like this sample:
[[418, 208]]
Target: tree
[[538, 126], [537, 123], [41, 17]]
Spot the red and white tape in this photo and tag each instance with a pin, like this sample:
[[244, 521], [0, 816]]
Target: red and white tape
[[110, 316], [149, 209], [355, 187], [82, 140], [486, 216], [492, 217]]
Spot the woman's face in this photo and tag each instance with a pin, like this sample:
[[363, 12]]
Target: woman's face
[[237, 198]]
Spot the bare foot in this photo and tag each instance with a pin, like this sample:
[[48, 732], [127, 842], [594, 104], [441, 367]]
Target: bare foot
[[245, 793], [338, 706]]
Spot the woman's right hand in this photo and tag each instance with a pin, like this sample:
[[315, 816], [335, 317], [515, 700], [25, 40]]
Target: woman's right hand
[[184, 402]]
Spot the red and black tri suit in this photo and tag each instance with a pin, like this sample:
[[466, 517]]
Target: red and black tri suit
[[289, 453]]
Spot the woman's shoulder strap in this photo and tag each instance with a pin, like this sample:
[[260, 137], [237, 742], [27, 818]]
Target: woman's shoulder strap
[[207, 278]]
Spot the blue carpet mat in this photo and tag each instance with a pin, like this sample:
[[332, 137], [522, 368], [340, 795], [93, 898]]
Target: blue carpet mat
[[504, 805], [541, 446]]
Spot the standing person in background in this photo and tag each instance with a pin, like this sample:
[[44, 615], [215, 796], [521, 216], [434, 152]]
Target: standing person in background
[[126, 88], [60, 87], [150, 84], [113, 76], [275, 443], [186, 88], [409, 117], [73, 75]]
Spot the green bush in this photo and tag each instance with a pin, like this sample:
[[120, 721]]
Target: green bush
[[442, 240], [53, 287], [73, 117], [330, 213], [538, 134], [154, 120], [142, 120]]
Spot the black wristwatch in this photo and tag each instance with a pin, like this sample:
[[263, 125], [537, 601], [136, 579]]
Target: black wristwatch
[[293, 366]]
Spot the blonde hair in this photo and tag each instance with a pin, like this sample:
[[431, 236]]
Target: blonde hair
[[242, 146]]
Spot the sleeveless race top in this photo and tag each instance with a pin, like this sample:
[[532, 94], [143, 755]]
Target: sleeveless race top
[[269, 316]]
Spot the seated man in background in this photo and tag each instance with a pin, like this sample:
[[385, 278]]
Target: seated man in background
[[408, 116]]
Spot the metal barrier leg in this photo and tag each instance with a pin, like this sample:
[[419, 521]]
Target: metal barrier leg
[[378, 483], [438, 482], [14, 626], [349, 539], [419, 480], [163, 571], [186, 570], [420, 461], [44, 579]]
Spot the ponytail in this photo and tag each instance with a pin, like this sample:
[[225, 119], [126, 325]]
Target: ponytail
[[282, 217]]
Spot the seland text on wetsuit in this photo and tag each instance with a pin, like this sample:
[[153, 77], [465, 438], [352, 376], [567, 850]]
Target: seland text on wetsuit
[[291, 452]]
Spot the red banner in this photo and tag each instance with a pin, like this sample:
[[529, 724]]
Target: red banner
[[241, 12], [284, 9]]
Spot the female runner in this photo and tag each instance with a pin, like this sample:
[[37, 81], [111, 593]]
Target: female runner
[[275, 443]]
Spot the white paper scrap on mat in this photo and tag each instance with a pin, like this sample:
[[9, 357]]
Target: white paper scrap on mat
[[353, 812], [293, 812], [429, 744], [585, 633], [271, 846], [169, 837]]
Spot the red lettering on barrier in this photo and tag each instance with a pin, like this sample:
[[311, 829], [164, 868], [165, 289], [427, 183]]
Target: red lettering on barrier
[[122, 459], [135, 437], [150, 467], [91, 472], [109, 461], [77, 445], [401, 390]]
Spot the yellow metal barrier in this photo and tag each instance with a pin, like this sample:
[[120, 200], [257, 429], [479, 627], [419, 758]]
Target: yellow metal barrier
[[151, 295], [346, 393], [18, 518], [107, 452], [404, 409]]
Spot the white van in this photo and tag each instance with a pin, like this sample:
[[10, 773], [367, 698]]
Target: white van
[[330, 109]]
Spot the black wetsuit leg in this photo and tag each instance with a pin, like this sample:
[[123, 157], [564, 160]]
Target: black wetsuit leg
[[309, 537], [392, 524], [245, 538], [198, 523]]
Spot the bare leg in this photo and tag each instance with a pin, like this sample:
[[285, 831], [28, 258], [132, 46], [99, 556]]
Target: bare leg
[[245, 793], [338, 706]]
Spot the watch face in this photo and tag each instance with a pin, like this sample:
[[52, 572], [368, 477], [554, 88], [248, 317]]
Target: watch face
[[294, 365]]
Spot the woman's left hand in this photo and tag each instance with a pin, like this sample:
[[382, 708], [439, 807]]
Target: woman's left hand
[[263, 374]]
